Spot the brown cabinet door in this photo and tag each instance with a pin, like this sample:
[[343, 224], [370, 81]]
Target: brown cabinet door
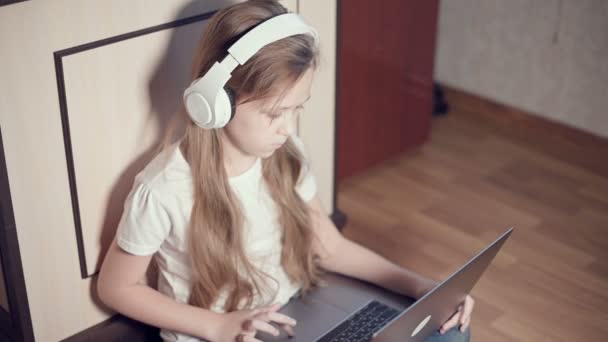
[[385, 81]]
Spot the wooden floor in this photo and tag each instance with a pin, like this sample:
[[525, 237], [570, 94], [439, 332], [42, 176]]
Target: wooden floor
[[433, 208]]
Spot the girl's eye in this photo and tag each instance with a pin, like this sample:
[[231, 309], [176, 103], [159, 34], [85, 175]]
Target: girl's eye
[[273, 116]]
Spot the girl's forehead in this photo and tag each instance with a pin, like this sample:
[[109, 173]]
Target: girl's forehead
[[286, 102], [291, 96]]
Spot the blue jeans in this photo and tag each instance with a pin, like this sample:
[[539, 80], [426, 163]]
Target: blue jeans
[[452, 335]]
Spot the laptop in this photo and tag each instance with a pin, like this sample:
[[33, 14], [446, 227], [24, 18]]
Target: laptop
[[347, 309]]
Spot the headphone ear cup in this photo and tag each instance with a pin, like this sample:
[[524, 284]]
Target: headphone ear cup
[[232, 99], [197, 107], [224, 108]]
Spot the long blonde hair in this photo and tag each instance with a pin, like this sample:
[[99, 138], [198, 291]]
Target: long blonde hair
[[216, 242]]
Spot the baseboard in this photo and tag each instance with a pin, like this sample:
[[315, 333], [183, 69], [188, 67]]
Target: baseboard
[[338, 218], [560, 141], [118, 328]]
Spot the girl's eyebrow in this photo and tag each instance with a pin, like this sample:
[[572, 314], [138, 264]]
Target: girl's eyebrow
[[308, 98]]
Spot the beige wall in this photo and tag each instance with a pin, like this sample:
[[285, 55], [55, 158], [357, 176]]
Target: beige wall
[[118, 98], [317, 123], [549, 57]]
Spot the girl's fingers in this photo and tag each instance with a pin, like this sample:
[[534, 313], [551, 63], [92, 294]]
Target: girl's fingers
[[288, 329], [281, 319], [255, 312], [248, 327], [261, 312], [452, 322], [271, 308], [468, 308], [465, 325], [264, 326], [465, 319], [246, 338]]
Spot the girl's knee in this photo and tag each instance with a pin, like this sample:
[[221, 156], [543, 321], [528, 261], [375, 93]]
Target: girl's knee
[[452, 335]]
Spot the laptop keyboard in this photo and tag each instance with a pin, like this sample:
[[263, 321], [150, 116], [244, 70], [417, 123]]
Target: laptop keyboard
[[362, 324]]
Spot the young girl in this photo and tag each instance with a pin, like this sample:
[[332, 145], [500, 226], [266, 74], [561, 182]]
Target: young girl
[[231, 213]]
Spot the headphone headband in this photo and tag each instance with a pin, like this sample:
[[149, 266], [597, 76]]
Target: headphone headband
[[206, 99], [271, 30]]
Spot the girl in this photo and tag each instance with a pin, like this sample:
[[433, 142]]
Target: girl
[[231, 214]]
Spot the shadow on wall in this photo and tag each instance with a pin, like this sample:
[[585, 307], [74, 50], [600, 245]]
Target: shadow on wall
[[166, 84]]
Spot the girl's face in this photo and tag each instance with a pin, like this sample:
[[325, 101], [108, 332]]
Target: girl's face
[[257, 130]]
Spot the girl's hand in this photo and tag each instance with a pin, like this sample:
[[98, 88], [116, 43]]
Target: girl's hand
[[241, 326], [462, 316]]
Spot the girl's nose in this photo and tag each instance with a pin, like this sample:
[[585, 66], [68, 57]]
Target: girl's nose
[[288, 126]]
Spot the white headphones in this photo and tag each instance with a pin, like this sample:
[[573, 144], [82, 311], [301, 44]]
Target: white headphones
[[208, 102]]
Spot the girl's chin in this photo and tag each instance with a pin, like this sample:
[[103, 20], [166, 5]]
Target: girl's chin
[[267, 154], [260, 153]]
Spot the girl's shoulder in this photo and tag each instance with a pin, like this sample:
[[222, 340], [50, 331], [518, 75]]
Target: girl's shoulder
[[167, 172]]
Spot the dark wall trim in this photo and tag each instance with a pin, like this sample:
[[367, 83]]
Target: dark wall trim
[[58, 57], [118, 328], [337, 216], [17, 323], [9, 2], [336, 107]]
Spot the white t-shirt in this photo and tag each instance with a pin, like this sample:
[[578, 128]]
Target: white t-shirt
[[157, 212]]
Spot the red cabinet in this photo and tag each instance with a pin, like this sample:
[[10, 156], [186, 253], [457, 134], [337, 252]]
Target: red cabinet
[[385, 57]]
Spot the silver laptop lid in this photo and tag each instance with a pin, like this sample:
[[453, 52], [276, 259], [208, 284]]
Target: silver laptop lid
[[427, 314]]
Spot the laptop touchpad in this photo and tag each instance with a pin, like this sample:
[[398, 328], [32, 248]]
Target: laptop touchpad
[[314, 319]]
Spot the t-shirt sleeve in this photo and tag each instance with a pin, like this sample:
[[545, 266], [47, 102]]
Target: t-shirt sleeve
[[306, 186], [144, 224]]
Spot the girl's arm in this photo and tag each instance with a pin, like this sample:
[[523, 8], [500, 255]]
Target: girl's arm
[[343, 256], [119, 287]]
